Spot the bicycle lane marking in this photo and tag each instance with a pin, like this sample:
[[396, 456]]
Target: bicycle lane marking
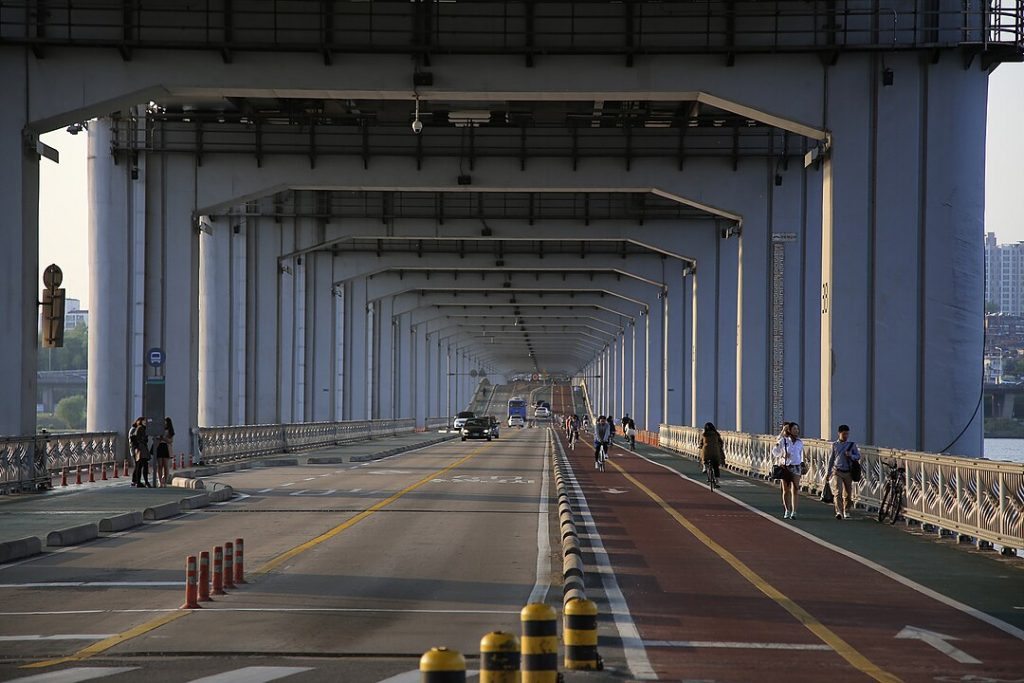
[[822, 632], [984, 617], [162, 620]]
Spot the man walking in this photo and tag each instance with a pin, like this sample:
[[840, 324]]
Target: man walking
[[844, 455]]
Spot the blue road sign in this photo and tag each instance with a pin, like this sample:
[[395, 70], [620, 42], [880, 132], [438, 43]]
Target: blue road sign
[[155, 357]]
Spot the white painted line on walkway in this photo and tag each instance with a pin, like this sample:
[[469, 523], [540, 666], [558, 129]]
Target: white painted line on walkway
[[291, 483], [543, 582], [884, 571], [737, 646], [58, 636], [266, 490], [253, 674], [75, 674], [632, 644]]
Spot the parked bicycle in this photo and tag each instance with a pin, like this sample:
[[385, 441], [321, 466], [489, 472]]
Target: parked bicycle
[[892, 493]]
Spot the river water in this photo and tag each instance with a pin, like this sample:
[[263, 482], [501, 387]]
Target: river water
[[1005, 449]]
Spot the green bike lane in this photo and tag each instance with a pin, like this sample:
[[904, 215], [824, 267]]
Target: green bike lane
[[721, 588]]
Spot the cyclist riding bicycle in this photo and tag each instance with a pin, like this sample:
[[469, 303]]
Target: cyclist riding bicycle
[[602, 439], [572, 428]]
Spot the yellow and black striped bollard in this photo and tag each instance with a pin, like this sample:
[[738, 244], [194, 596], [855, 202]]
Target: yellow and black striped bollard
[[441, 665], [580, 635], [499, 658], [540, 643]]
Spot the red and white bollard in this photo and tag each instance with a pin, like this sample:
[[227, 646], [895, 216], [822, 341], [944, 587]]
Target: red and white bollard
[[218, 571], [92, 474], [229, 565], [78, 474], [239, 562], [204, 577], [64, 477], [191, 584], [103, 471], [113, 469], [126, 472]]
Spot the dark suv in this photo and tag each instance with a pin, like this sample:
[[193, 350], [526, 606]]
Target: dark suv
[[477, 428]]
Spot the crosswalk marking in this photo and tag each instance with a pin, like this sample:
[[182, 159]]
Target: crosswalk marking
[[253, 674], [75, 674]]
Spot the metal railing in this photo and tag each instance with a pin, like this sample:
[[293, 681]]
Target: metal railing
[[512, 26], [223, 444], [29, 462], [436, 422], [983, 499]]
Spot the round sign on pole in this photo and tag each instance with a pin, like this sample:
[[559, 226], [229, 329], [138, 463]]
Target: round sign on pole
[[155, 357], [53, 276], [472, 373]]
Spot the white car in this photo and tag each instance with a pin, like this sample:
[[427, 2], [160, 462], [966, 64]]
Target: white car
[[542, 411], [460, 420], [516, 421]]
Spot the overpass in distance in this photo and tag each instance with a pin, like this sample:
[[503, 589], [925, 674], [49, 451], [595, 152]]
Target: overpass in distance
[[348, 219]]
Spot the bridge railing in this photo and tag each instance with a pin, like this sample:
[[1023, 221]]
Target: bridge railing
[[983, 499], [436, 422], [27, 462], [222, 444]]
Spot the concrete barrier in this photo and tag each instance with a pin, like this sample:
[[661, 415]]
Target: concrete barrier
[[195, 502], [162, 511], [221, 492], [278, 462], [121, 522], [20, 548], [73, 535], [325, 460], [187, 483]]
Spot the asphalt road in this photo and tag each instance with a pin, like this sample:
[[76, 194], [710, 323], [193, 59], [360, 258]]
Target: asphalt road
[[354, 570]]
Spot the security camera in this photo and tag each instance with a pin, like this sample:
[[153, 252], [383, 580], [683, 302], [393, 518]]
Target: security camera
[[417, 126]]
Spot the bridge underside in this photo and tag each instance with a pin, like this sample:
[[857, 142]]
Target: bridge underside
[[707, 227]]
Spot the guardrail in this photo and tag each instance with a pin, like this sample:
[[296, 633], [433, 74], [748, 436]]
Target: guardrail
[[436, 422], [223, 444], [983, 499], [28, 462]]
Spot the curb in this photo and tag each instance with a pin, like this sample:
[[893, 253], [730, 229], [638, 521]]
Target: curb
[[187, 483], [20, 548], [162, 511], [325, 460], [121, 522], [194, 502], [573, 569], [73, 535]]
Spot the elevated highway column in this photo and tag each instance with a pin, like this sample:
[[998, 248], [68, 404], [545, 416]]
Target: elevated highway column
[[114, 258], [705, 326], [320, 334], [628, 350], [641, 368], [677, 344], [215, 328], [262, 281]]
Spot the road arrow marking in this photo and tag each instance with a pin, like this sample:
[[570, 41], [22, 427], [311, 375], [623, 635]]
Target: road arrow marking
[[615, 491], [940, 641]]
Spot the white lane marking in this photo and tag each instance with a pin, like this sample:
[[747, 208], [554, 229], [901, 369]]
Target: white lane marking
[[309, 479], [58, 636], [732, 645], [541, 585], [297, 610], [940, 641], [355, 490], [389, 472], [632, 643], [884, 571], [253, 674], [92, 584], [414, 676], [291, 483], [75, 674], [306, 492], [265, 490], [236, 498]]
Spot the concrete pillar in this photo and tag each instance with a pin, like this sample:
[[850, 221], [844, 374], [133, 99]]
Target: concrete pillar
[[631, 392], [372, 335], [642, 369], [286, 341], [116, 257], [357, 335], [656, 362], [262, 272], [320, 328], [340, 348], [705, 326], [215, 323], [628, 390], [677, 344]]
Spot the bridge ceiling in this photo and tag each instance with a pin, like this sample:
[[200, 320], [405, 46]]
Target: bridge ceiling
[[468, 130]]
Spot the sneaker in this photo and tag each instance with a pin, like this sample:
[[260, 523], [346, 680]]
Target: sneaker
[[792, 515], [839, 515], [785, 515], [846, 516]]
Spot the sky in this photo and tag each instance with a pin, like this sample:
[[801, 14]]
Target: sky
[[63, 204]]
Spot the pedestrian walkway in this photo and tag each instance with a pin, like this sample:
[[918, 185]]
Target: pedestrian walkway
[[719, 585]]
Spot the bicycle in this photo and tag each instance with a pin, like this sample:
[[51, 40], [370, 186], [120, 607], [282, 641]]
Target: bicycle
[[574, 436], [710, 470], [602, 455], [891, 502]]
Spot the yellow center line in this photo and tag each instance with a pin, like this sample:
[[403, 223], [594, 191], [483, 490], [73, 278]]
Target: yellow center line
[[106, 644], [825, 634]]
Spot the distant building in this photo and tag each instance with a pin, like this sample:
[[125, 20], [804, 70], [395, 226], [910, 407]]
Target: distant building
[[74, 315], [1004, 276]]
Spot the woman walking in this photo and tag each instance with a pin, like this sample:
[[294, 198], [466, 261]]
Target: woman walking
[[139, 441], [711, 451], [789, 451]]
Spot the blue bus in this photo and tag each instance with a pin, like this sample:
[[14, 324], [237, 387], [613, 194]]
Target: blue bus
[[516, 412]]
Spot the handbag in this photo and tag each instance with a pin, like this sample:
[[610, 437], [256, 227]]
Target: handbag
[[803, 468], [856, 472], [826, 494], [780, 472]]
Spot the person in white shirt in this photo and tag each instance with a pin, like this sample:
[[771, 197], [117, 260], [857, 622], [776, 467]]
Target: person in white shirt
[[790, 451]]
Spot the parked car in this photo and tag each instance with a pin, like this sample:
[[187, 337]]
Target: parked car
[[476, 428], [516, 421], [461, 418]]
